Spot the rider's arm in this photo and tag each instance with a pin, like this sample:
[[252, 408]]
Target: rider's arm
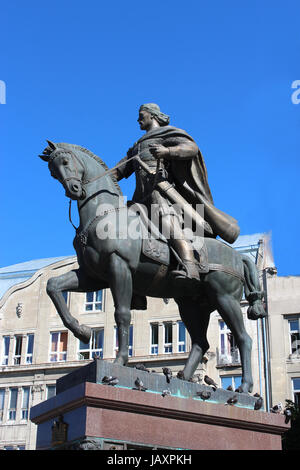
[[175, 149], [183, 150], [125, 170]]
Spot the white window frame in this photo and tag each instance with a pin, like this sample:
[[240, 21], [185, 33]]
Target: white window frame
[[12, 411], [18, 341], [153, 346], [94, 302], [293, 332], [92, 352], [181, 347], [58, 353], [5, 357], [233, 379], [2, 399], [295, 391], [230, 348], [25, 406], [48, 388], [29, 356], [168, 346]]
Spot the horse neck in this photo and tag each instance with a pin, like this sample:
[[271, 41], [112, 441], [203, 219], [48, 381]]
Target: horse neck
[[101, 193]]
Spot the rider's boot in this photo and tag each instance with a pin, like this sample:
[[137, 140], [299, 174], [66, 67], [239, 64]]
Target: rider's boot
[[185, 251]]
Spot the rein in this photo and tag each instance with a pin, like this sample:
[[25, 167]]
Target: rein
[[87, 181]]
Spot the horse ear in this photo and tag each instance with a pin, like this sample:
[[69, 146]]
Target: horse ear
[[51, 145]]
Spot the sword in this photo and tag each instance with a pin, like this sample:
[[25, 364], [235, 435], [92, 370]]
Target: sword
[[173, 195]]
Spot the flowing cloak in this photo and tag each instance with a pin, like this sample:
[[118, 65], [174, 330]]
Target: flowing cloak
[[188, 174]]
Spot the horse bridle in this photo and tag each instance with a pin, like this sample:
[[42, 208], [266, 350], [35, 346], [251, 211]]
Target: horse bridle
[[76, 178], [57, 153]]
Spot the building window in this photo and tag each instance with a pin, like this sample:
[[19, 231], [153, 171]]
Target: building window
[[51, 391], [168, 338], [154, 338], [130, 343], [296, 391], [181, 337], [18, 349], [5, 350], [228, 352], [233, 381], [93, 301], [95, 347], [294, 336], [25, 402], [2, 395], [12, 404], [58, 351], [29, 350]]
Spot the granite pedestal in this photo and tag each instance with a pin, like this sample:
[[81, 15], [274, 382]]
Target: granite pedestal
[[85, 414]]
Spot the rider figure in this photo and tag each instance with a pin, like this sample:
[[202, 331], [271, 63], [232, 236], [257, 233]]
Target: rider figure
[[183, 167]]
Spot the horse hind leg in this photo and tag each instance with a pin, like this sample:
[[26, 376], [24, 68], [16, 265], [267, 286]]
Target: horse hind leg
[[195, 318]]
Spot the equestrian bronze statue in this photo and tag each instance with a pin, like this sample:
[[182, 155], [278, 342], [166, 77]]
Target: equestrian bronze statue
[[116, 249]]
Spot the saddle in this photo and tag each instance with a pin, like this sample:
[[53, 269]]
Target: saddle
[[159, 251], [156, 246]]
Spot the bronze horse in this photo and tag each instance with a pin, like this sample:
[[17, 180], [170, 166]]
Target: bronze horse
[[117, 262]]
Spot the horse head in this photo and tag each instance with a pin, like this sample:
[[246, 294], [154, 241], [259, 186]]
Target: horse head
[[67, 168]]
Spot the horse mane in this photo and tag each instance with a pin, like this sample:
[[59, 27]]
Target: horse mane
[[95, 157]]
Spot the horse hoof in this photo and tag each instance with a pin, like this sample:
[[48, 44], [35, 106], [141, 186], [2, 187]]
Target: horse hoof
[[121, 361], [244, 388]]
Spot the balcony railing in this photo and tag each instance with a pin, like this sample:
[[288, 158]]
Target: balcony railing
[[228, 358]]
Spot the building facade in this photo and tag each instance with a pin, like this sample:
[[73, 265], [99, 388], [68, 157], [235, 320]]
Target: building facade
[[36, 349]]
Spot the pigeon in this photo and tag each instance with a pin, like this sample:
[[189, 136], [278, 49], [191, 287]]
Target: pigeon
[[168, 373], [193, 379], [256, 395], [232, 400], [139, 385], [141, 367], [276, 408], [204, 395], [180, 375], [288, 415], [210, 382], [110, 380], [258, 403], [230, 388], [166, 393]]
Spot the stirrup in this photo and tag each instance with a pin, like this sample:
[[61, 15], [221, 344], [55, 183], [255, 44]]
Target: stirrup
[[190, 271]]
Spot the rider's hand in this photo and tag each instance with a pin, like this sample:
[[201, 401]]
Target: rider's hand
[[159, 151]]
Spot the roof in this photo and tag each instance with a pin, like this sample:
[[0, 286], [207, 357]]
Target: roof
[[248, 240], [18, 273]]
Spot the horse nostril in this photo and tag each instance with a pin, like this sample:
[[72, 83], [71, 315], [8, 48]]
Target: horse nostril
[[75, 187]]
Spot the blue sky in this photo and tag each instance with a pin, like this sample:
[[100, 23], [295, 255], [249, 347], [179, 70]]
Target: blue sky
[[78, 71]]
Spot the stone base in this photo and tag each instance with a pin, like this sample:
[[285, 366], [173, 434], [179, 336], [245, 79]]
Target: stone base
[[95, 416]]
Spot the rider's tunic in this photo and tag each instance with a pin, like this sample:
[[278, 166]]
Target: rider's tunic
[[184, 168]]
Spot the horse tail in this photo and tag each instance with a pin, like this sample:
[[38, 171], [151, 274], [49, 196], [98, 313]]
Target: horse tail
[[253, 292]]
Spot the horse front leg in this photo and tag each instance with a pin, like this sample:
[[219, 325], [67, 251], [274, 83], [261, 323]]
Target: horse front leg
[[120, 281], [230, 310], [72, 281]]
